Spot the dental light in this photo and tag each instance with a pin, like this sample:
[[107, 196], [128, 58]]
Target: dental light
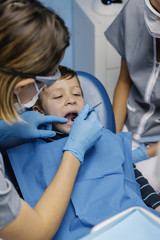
[[106, 7]]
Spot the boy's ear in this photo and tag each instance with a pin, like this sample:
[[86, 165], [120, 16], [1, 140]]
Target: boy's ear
[[37, 109]]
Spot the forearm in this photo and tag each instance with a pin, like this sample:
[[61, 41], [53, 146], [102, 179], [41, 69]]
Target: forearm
[[61, 189], [43, 221], [121, 95]]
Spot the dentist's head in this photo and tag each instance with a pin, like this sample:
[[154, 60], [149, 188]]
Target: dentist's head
[[33, 40]]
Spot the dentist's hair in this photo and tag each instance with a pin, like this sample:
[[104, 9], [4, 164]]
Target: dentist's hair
[[33, 40]]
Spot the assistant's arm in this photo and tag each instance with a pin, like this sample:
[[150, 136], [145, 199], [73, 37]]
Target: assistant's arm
[[121, 95]]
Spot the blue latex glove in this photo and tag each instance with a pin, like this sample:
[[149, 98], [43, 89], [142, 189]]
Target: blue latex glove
[[85, 131], [139, 154], [29, 128]]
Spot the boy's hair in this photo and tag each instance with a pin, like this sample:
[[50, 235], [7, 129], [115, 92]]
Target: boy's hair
[[66, 73], [33, 39]]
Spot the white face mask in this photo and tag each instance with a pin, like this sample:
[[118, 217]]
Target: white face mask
[[152, 19], [33, 100]]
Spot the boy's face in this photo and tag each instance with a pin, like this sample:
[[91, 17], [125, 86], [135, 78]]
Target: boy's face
[[64, 99]]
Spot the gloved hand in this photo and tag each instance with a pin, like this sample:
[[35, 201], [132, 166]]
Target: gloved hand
[[85, 131], [139, 154], [29, 128]]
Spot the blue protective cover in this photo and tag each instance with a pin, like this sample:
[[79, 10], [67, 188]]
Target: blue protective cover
[[135, 224], [105, 184]]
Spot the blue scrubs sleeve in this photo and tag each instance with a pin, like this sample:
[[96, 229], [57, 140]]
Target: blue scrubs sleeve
[[115, 34], [126, 32]]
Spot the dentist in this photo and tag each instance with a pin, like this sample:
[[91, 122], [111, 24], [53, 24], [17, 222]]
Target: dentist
[[33, 40]]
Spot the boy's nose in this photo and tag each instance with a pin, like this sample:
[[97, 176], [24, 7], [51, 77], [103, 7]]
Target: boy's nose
[[70, 100]]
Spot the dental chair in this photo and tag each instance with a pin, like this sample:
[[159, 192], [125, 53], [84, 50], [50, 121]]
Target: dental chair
[[94, 92]]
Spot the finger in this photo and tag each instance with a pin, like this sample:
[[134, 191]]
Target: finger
[[46, 134], [93, 110], [84, 112], [50, 119], [96, 109], [94, 116]]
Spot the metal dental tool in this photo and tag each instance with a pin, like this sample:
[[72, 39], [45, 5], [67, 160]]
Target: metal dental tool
[[92, 108]]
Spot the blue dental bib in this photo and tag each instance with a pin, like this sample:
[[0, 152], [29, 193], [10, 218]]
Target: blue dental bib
[[105, 184]]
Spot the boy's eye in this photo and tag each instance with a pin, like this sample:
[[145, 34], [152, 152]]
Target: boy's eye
[[77, 93], [56, 97]]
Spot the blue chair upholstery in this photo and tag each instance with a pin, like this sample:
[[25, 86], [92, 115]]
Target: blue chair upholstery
[[94, 92]]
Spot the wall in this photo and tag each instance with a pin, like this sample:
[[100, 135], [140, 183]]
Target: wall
[[64, 8]]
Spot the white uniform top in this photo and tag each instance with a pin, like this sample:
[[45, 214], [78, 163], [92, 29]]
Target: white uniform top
[[129, 36], [10, 202]]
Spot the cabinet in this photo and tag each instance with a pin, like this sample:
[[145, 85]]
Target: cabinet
[[92, 52]]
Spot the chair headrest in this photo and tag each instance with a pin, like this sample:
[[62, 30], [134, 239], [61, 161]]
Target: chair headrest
[[94, 92]]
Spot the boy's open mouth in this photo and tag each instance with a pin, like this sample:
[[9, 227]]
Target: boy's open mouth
[[71, 117]]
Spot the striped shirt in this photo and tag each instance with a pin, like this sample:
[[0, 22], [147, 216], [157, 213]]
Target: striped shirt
[[149, 195]]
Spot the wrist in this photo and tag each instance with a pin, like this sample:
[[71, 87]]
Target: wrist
[[139, 154], [75, 148], [75, 153], [72, 159]]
